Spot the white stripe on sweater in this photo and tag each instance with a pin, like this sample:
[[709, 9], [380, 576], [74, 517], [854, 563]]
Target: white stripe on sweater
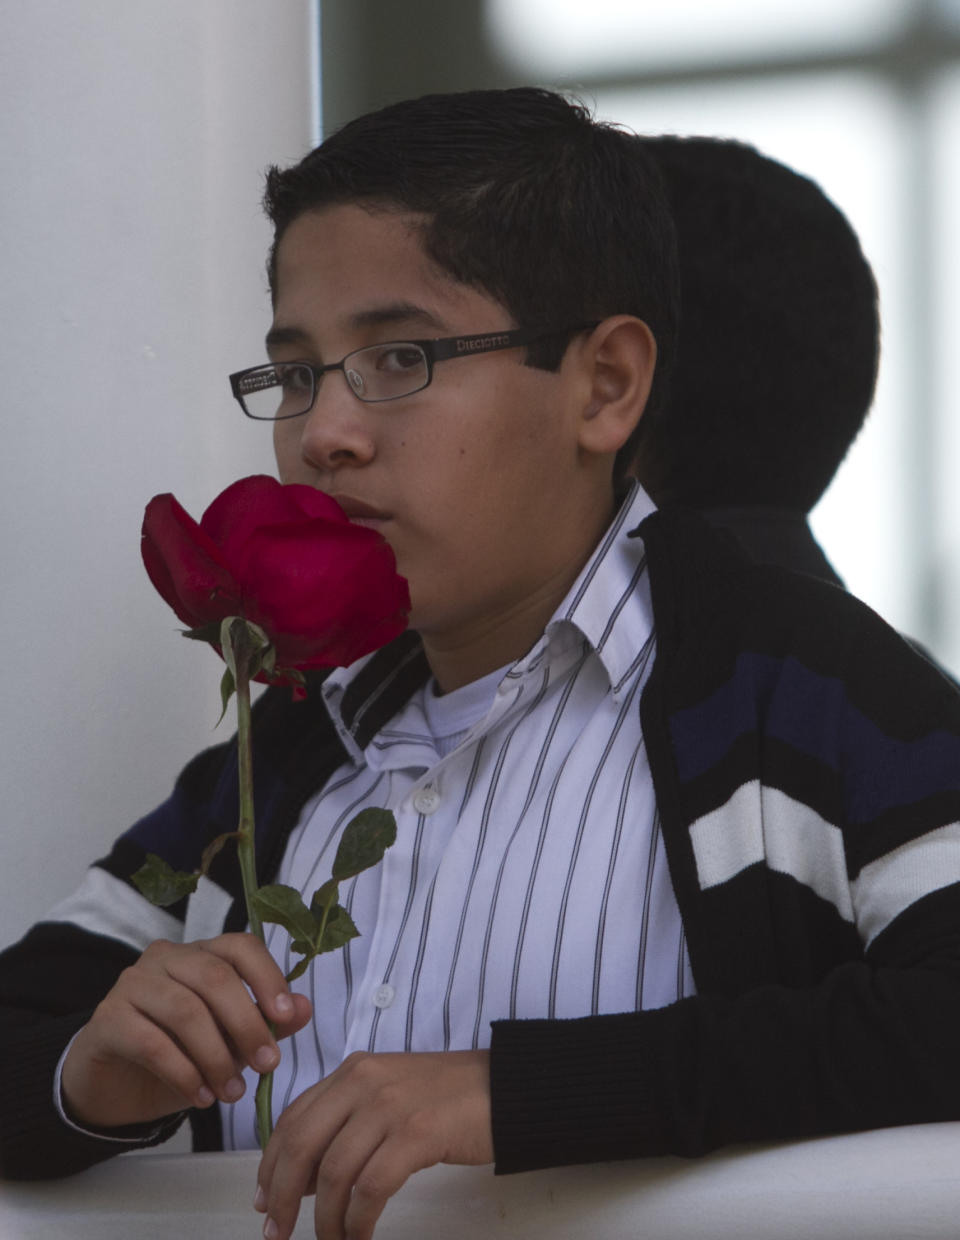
[[759, 824], [887, 886], [103, 904]]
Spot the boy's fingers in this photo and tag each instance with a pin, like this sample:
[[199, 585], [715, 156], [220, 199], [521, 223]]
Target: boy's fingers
[[177, 1029], [208, 982], [221, 973], [258, 969], [168, 1014], [302, 1014], [250, 960]]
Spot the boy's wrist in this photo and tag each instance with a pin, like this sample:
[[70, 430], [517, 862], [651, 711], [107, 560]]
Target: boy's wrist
[[130, 1135]]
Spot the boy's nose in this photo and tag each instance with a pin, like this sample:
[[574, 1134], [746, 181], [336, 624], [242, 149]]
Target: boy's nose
[[338, 429]]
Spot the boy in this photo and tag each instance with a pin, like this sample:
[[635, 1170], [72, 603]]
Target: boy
[[677, 855]]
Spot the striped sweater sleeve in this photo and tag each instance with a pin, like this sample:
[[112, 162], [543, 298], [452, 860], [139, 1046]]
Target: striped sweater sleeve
[[51, 981]]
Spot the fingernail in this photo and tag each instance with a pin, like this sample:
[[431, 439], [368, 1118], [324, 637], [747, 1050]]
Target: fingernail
[[284, 1005], [205, 1096], [266, 1059], [234, 1089], [270, 1230], [260, 1200]]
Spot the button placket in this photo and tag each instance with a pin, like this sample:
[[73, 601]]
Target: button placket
[[426, 799], [384, 995]]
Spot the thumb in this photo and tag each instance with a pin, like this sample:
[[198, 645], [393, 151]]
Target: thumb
[[292, 1017]]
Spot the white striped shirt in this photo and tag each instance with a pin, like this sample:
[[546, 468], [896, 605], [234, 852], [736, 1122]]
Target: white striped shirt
[[528, 878]]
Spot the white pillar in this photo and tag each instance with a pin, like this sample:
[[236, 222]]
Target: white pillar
[[133, 140]]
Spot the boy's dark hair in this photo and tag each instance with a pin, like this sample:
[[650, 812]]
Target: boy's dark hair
[[779, 338], [560, 218]]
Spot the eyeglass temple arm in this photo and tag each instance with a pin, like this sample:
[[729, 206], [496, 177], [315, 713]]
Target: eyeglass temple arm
[[489, 342]]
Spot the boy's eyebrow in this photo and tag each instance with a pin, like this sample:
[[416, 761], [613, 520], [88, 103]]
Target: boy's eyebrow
[[285, 335], [394, 314]]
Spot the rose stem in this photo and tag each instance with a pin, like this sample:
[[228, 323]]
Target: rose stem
[[243, 653]]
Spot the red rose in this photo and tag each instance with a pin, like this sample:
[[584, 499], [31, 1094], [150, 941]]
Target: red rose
[[285, 557]]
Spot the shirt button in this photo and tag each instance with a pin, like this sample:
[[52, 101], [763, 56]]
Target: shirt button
[[383, 996], [426, 799]]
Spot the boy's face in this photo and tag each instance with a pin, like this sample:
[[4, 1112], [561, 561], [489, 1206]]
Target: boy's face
[[472, 480]]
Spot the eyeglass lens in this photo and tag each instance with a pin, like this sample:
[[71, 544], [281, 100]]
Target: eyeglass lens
[[380, 372]]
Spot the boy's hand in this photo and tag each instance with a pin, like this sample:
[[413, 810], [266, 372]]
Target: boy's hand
[[176, 1030], [355, 1137]]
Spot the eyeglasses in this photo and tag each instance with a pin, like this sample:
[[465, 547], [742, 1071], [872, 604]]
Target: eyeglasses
[[376, 373]]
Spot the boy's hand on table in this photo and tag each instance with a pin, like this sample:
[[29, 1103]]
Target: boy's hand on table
[[356, 1136], [177, 1029]]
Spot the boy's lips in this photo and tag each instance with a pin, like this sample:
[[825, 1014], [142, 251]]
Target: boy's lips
[[359, 512]]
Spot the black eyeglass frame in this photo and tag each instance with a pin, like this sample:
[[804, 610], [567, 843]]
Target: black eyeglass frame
[[440, 350]]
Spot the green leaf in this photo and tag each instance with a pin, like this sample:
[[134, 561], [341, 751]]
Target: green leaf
[[256, 636], [324, 897], [364, 841], [244, 640], [261, 653], [226, 645], [300, 968], [338, 931], [228, 687], [283, 906], [161, 884], [205, 633]]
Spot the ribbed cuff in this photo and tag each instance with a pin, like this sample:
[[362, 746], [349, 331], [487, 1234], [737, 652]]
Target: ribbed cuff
[[574, 1091], [35, 1143]]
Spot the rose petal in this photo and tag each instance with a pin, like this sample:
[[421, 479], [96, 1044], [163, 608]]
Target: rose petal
[[314, 503], [241, 507], [287, 558], [261, 500], [326, 593], [185, 565]]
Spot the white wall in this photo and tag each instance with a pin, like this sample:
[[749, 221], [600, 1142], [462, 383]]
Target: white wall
[[133, 138]]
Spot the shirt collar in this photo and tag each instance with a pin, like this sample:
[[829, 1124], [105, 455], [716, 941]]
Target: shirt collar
[[606, 605], [363, 697]]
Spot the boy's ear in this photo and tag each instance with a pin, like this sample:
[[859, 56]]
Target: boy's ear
[[619, 358]]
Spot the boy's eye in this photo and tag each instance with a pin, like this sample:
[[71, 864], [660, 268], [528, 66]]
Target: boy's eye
[[398, 358], [293, 378]]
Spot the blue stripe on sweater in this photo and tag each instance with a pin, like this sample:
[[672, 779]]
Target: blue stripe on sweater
[[172, 832], [813, 714]]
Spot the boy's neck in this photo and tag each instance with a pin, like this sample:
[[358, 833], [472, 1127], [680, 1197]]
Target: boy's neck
[[474, 650]]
